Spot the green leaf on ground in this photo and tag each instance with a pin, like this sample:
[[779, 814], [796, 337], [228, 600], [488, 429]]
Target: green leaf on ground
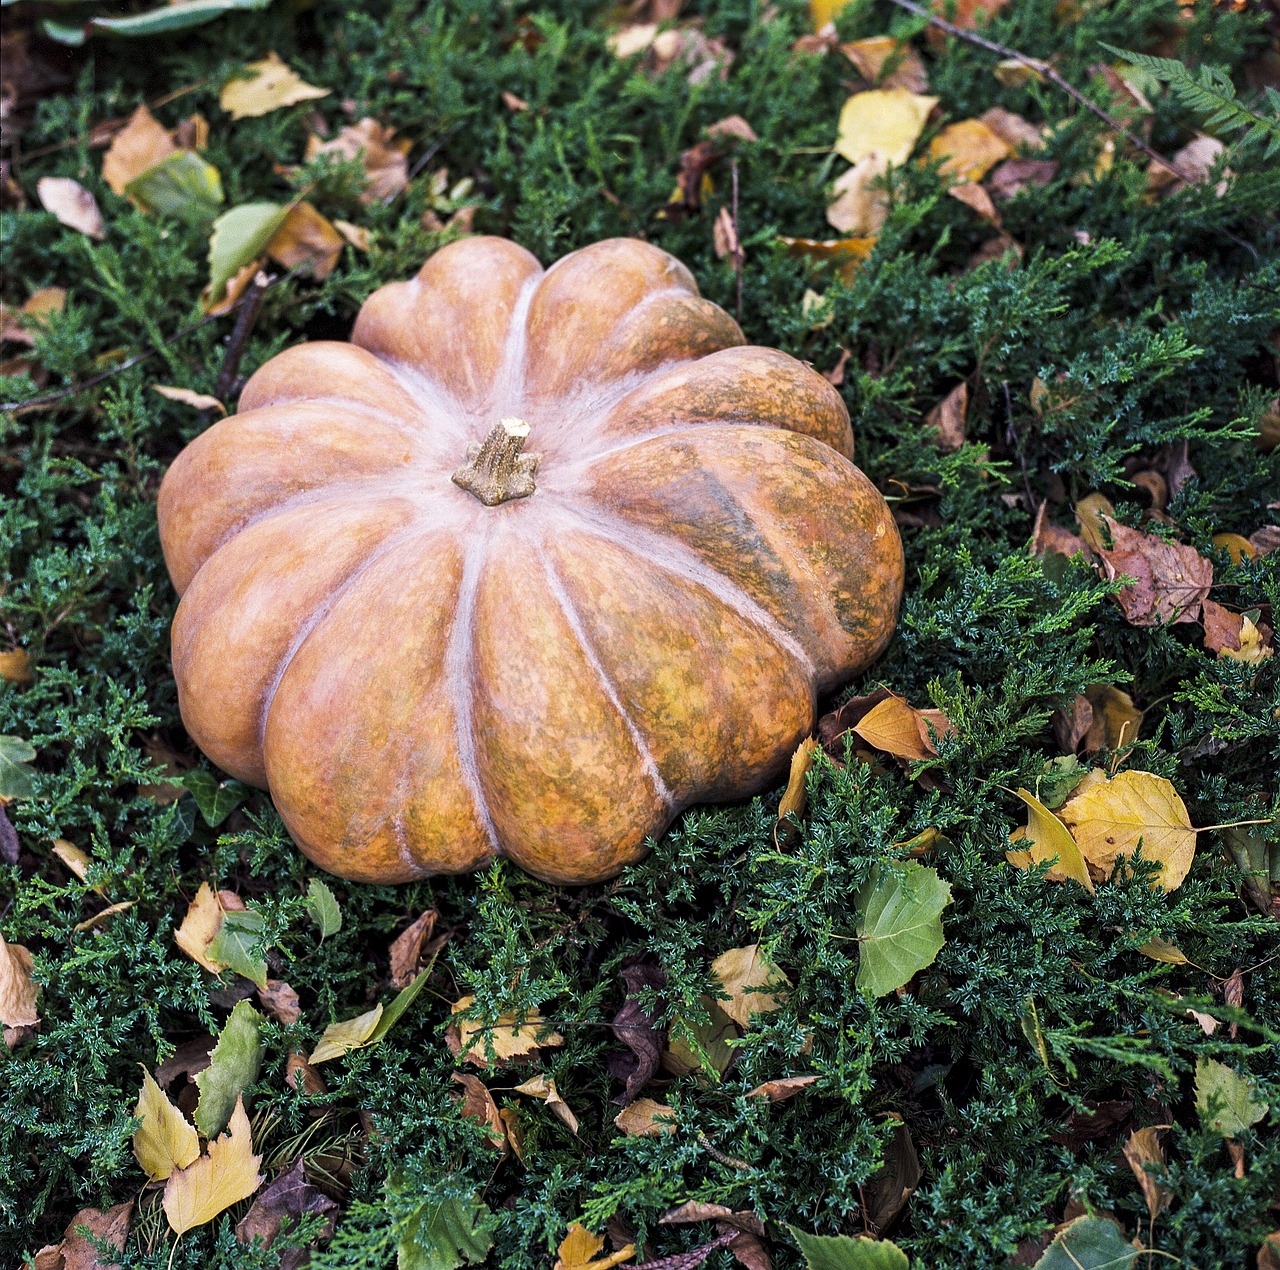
[[367, 1028], [216, 799], [899, 925], [400, 1003], [1225, 1100], [446, 1232], [849, 1252], [184, 185], [170, 17], [1089, 1243], [322, 904], [239, 236], [15, 775], [237, 944], [233, 1067]]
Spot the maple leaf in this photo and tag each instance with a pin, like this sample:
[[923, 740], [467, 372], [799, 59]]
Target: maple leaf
[[211, 1184], [1170, 579]]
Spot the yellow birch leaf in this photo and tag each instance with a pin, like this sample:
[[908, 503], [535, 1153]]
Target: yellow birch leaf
[[16, 667], [883, 121], [274, 85], [1092, 513], [861, 204], [579, 1247], [200, 400], [351, 1034], [893, 726], [1252, 649], [76, 860], [509, 1039], [1163, 950], [968, 149], [1050, 838], [200, 927], [645, 1118], [165, 1140], [228, 1174], [741, 971], [18, 990], [1111, 817]]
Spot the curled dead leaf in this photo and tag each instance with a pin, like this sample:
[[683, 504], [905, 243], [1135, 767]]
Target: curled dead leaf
[[200, 400], [795, 798], [645, 1118], [18, 988], [72, 204], [383, 156]]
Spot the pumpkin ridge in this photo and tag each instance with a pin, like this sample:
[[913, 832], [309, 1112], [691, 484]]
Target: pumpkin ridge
[[571, 615], [436, 403], [653, 549], [348, 404]]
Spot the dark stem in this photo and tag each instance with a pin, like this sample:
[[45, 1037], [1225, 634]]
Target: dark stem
[[240, 333], [738, 254]]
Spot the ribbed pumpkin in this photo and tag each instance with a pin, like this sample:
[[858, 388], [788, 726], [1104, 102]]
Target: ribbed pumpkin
[[535, 561]]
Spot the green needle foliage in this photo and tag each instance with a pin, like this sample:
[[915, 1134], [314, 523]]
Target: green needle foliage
[[1131, 329]]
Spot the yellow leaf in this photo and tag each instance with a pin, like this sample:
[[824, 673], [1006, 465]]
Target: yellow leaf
[[200, 927], [1164, 950], [825, 11], [1143, 1148], [795, 798], [273, 86], [16, 667], [845, 253], [509, 1040], [895, 727], [579, 1246], [228, 1174], [136, 148], [1235, 545], [1111, 817], [1253, 649], [165, 1140], [545, 1088], [861, 203], [18, 990], [1092, 513], [200, 400], [741, 971], [885, 121], [1049, 837], [307, 238], [968, 149], [71, 855], [106, 914], [645, 1118], [873, 55], [350, 1034]]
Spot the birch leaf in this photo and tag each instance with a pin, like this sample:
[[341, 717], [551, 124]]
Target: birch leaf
[[899, 925], [884, 121], [750, 979], [272, 85], [233, 1067], [1224, 1100], [165, 1140], [229, 1173], [350, 1034], [1050, 840]]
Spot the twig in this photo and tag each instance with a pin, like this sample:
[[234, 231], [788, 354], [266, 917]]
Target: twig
[[427, 155], [690, 1260], [250, 304], [1046, 71], [737, 240]]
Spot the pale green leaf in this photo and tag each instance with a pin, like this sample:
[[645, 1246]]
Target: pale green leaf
[[233, 1067], [1225, 1100], [349, 1034], [169, 17], [237, 944], [239, 236], [445, 1233], [399, 1004], [15, 775], [216, 799], [322, 904], [1089, 1243], [849, 1252], [899, 925], [184, 185]]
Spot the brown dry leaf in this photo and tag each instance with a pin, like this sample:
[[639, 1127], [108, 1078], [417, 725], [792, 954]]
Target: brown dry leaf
[[895, 1181], [1265, 540], [1103, 716], [237, 285], [724, 239], [1143, 1148], [781, 1089], [645, 1118], [356, 235], [1047, 536], [978, 199], [1048, 838], [136, 148], [1171, 579], [282, 1206], [946, 420], [165, 1140], [76, 860], [795, 799], [208, 1186], [1014, 175], [1235, 635], [732, 126], [192, 133], [42, 303], [383, 157], [742, 972], [861, 204], [478, 1105], [406, 949], [1108, 818], [1197, 159], [111, 1227], [871, 56], [968, 149], [514, 1130], [1015, 131], [545, 1088], [72, 204], [846, 254], [579, 1247], [307, 238], [300, 1075], [1208, 1024], [202, 923], [18, 989], [98, 918], [1269, 1252], [273, 86], [15, 667], [200, 400], [883, 121], [510, 1040], [901, 730], [281, 1002], [1093, 512]]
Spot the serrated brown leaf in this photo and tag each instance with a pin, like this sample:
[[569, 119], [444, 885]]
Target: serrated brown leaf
[[1171, 580], [382, 155], [281, 1207]]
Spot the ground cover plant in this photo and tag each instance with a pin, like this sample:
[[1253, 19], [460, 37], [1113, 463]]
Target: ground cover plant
[[1061, 370]]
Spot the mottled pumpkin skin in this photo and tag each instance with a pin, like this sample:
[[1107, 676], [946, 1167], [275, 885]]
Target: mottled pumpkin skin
[[424, 682]]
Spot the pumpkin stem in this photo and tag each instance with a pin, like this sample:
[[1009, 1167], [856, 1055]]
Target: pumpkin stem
[[496, 470]]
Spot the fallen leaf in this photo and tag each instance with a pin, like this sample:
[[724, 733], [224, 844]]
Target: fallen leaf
[[1225, 1100], [184, 186], [18, 325], [545, 1088], [192, 133], [306, 239], [1015, 131], [141, 144], [645, 1118], [110, 1227], [899, 931], [637, 1029], [977, 198], [795, 798], [1162, 950], [1049, 839], [18, 989], [514, 1130], [631, 39], [104, 915], [281, 1002], [696, 1045], [383, 157], [271, 86], [882, 121], [946, 420], [579, 1247], [895, 1181], [165, 1140], [233, 1066], [901, 730], [781, 1089], [846, 254], [1103, 716], [281, 1207], [1265, 540], [1089, 1243], [861, 203], [1235, 635], [10, 847], [250, 275], [724, 238], [968, 150], [882, 53], [16, 755], [478, 1105], [356, 235], [513, 103], [1197, 159], [237, 944], [1014, 175], [1171, 579], [1110, 817], [239, 239], [200, 400], [848, 1252], [189, 1058], [203, 922], [754, 984], [1143, 1148], [1094, 514], [15, 667], [1046, 537], [406, 948], [300, 1075], [206, 1187], [322, 906], [72, 204], [1237, 546], [76, 860], [1207, 1023], [509, 1039]]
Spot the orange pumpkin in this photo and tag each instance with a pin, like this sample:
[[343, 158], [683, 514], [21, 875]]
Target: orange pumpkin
[[434, 646]]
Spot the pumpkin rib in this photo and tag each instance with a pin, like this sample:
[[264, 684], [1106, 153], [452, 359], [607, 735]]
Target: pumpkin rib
[[571, 615], [650, 548]]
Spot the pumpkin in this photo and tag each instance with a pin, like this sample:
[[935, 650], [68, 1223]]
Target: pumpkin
[[537, 560]]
